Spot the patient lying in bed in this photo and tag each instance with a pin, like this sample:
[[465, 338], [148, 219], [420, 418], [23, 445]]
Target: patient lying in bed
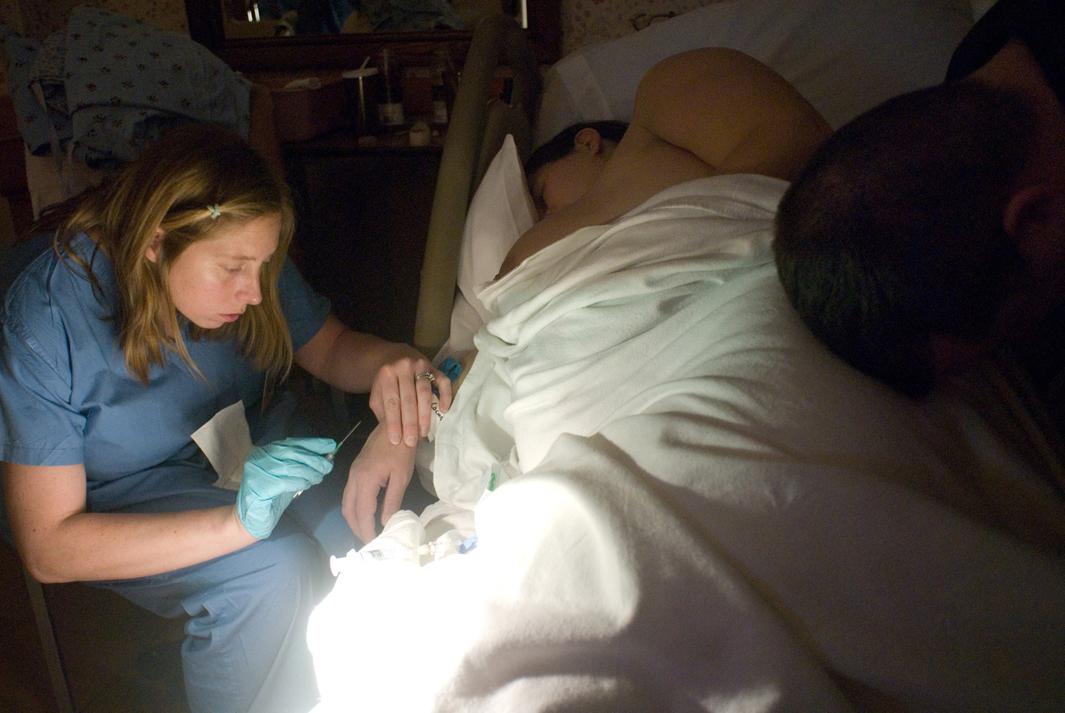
[[701, 113], [659, 492]]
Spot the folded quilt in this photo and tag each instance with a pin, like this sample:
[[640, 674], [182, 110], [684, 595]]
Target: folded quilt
[[106, 85]]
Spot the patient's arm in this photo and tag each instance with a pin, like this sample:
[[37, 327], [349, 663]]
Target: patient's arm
[[700, 113], [379, 465], [383, 465], [728, 111]]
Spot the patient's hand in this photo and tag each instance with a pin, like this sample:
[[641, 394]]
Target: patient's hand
[[379, 465]]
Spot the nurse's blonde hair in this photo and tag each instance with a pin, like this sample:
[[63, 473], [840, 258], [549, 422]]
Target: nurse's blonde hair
[[191, 182]]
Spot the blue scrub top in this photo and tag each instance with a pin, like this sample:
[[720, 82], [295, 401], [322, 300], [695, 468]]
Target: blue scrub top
[[66, 396]]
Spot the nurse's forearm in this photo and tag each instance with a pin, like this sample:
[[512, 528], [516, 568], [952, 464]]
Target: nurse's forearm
[[102, 546], [359, 356], [347, 359]]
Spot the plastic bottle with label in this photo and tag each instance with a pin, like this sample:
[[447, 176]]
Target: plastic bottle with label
[[441, 91], [390, 107]]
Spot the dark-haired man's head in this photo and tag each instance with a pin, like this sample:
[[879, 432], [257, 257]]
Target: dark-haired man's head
[[561, 170], [898, 243]]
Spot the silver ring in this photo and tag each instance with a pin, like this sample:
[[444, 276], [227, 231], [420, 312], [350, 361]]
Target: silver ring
[[427, 375]]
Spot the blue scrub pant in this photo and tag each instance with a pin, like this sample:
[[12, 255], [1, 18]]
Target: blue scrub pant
[[245, 647]]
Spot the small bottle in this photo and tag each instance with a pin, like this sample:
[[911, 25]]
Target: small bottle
[[441, 94], [390, 108]]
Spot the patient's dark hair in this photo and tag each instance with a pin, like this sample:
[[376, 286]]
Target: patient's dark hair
[[893, 231], [562, 143]]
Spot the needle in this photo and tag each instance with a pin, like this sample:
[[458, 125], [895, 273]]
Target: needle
[[335, 450], [332, 455]]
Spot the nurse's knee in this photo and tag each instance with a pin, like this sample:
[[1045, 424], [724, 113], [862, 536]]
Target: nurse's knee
[[294, 568], [280, 577], [246, 635]]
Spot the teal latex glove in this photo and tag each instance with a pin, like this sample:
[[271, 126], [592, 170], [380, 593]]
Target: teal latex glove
[[274, 474]]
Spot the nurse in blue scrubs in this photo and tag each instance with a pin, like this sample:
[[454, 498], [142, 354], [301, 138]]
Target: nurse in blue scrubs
[[168, 297]]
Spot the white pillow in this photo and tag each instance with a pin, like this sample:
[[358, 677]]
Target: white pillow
[[844, 57], [501, 210]]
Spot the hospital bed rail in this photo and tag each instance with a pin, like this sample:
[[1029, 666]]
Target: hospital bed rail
[[479, 123]]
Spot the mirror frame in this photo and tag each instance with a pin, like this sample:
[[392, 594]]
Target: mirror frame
[[339, 51]]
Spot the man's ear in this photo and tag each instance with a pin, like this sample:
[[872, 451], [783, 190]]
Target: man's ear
[[153, 249], [1034, 219], [588, 139]]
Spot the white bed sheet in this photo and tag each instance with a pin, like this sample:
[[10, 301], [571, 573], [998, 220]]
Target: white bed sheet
[[712, 512]]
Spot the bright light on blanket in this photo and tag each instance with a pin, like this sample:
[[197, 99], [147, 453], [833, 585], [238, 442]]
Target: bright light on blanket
[[393, 631], [401, 625], [397, 620]]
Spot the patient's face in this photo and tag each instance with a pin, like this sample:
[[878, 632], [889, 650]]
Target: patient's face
[[563, 182]]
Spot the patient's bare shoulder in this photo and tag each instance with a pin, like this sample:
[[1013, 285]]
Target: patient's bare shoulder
[[729, 111], [700, 113]]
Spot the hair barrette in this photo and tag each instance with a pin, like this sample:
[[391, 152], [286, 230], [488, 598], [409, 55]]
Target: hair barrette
[[215, 211]]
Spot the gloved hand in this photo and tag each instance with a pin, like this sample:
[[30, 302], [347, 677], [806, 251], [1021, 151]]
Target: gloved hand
[[274, 474]]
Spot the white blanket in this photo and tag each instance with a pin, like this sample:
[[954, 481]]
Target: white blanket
[[705, 510], [600, 325]]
